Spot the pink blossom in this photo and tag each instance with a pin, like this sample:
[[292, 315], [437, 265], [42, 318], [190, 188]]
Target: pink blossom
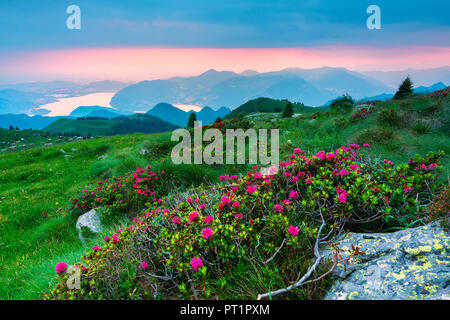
[[257, 176], [196, 263], [61, 267], [208, 219], [293, 231], [206, 233], [343, 197], [236, 204], [309, 181], [432, 166], [354, 167], [193, 216], [189, 200], [298, 151], [251, 189], [343, 172], [330, 156], [176, 220], [143, 265], [366, 145], [95, 248], [278, 208], [293, 194]]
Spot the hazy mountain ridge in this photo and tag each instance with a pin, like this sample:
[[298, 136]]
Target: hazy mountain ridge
[[218, 88], [172, 114]]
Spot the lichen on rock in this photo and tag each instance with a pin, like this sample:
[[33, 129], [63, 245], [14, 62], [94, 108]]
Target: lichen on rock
[[409, 264]]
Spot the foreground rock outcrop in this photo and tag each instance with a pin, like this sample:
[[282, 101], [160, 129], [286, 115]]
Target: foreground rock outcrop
[[409, 264], [88, 223]]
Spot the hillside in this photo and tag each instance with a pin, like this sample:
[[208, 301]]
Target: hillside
[[102, 126], [23, 121], [39, 203], [270, 106]]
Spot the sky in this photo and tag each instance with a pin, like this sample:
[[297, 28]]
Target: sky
[[139, 39]]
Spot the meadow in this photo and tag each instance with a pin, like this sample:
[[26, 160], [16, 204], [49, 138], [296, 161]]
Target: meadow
[[36, 185]]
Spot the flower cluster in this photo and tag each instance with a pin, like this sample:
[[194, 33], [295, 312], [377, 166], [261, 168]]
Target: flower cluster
[[196, 241]]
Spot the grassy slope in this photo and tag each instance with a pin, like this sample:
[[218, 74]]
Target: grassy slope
[[83, 127], [268, 105], [35, 180]]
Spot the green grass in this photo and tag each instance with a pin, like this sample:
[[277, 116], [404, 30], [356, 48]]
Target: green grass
[[82, 127]]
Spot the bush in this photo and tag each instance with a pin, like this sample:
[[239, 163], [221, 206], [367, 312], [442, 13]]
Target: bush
[[344, 103], [197, 245], [390, 117]]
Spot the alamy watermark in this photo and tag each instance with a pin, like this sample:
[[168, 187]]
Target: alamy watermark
[[189, 150], [74, 20], [374, 20]]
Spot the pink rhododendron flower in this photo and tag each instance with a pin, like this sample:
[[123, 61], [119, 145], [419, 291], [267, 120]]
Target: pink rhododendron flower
[[293, 231], [236, 204], [407, 189], [251, 189], [366, 145], [189, 200], [61, 267], [293, 194], [95, 248], [343, 197], [433, 166], [298, 151], [309, 181], [257, 176], [343, 172], [330, 156], [196, 263], [354, 167], [278, 208], [193, 216], [208, 219], [176, 220], [143, 265], [206, 233]]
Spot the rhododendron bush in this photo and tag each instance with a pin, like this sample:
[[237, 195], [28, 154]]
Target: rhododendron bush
[[195, 245]]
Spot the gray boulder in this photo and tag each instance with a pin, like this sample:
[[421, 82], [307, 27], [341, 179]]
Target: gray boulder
[[409, 264], [88, 223]]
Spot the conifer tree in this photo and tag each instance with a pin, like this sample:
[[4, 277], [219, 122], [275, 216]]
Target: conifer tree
[[405, 90], [288, 111], [192, 119]]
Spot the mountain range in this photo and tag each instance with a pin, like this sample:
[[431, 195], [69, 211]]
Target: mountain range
[[418, 90], [225, 88], [180, 118]]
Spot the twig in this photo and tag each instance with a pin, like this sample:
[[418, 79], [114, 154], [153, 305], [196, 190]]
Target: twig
[[276, 252], [307, 274]]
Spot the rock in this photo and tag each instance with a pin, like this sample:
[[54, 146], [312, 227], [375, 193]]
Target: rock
[[89, 222], [409, 264]]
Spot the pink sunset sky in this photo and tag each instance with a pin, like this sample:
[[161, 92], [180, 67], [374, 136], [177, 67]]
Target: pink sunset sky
[[139, 63]]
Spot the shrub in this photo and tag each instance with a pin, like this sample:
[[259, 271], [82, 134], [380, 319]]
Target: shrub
[[390, 117], [344, 103], [194, 245], [421, 127]]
